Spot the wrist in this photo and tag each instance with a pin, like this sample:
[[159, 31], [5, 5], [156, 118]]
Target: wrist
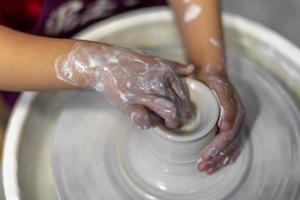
[[210, 64], [208, 70]]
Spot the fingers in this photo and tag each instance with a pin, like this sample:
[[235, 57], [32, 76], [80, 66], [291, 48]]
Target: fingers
[[227, 160], [173, 106], [179, 87], [222, 159], [180, 69], [163, 108], [184, 70], [184, 105], [224, 138], [224, 144], [228, 105], [139, 116]]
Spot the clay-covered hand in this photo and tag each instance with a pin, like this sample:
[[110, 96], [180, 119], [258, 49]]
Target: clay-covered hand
[[135, 82], [224, 148]]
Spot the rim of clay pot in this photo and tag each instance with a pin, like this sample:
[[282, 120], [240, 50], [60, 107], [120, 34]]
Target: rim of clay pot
[[210, 100]]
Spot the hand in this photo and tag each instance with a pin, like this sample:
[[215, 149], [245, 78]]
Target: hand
[[135, 82], [224, 148]]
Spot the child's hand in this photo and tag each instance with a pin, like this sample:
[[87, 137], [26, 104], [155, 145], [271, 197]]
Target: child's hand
[[224, 148], [133, 81]]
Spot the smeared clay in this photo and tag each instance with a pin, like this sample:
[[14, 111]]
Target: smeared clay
[[214, 152], [225, 161], [199, 160], [127, 77], [221, 114], [215, 42], [192, 12]]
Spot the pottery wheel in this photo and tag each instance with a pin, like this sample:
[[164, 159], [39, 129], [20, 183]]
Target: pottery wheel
[[91, 137]]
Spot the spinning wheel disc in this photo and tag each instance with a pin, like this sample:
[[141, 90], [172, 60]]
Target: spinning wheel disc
[[91, 137]]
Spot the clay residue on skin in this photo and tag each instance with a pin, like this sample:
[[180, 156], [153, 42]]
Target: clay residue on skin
[[214, 152], [126, 77], [99, 87], [133, 115], [215, 42], [225, 161], [192, 12], [128, 84]]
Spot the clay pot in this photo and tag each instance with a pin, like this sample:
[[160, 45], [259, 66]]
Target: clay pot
[[172, 157]]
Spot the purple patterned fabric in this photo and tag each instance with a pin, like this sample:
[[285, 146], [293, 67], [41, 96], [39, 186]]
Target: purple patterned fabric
[[64, 18]]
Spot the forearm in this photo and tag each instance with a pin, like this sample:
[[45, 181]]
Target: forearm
[[202, 35], [27, 61], [133, 81], [200, 26]]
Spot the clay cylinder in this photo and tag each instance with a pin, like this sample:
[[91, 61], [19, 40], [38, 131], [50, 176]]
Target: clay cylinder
[[185, 144]]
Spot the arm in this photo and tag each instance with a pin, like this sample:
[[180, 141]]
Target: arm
[[200, 26], [27, 62], [134, 82]]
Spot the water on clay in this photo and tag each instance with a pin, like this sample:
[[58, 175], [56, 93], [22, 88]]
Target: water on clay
[[91, 139]]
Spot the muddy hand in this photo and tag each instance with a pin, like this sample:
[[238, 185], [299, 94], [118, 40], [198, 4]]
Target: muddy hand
[[224, 148], [135, 82]]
